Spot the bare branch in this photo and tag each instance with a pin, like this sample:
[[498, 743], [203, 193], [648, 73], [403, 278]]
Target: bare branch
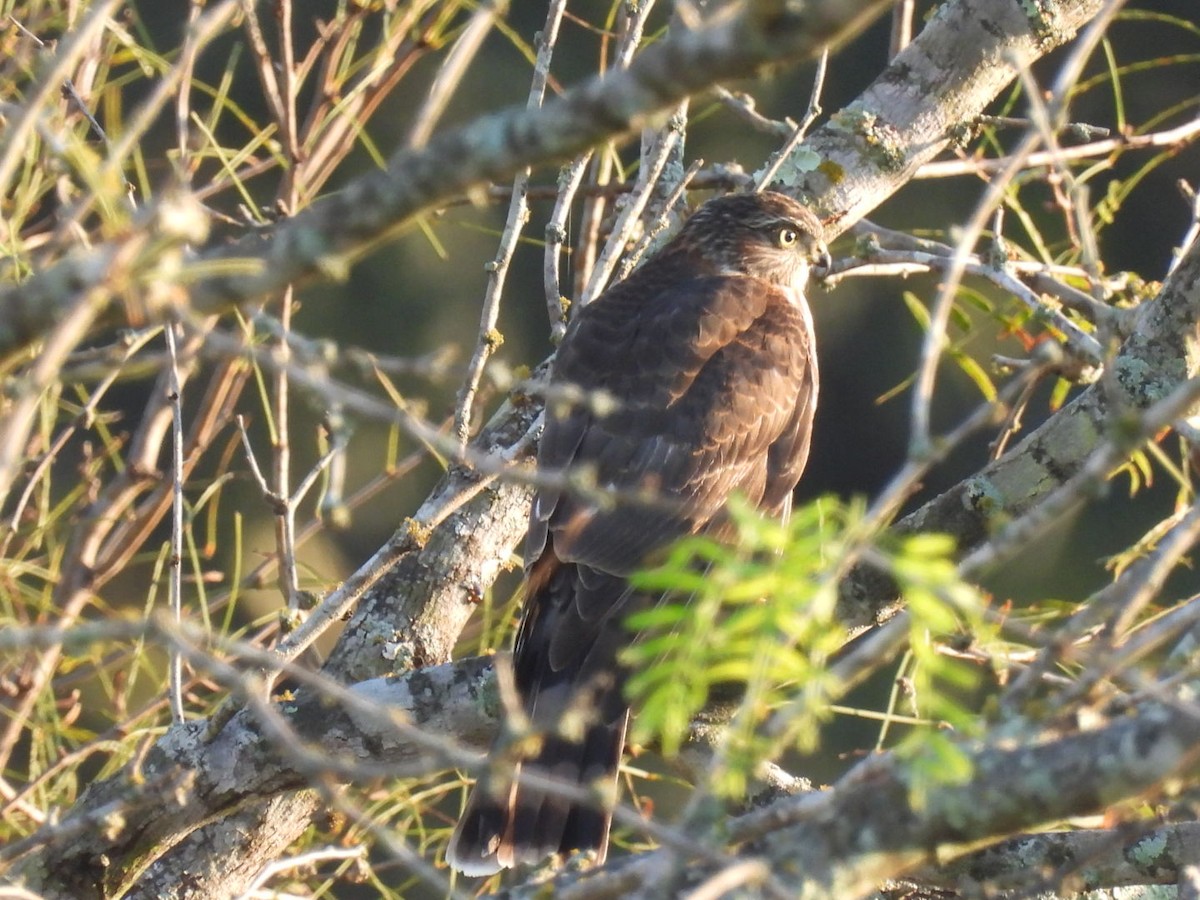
[[518, 217], [175, 677]]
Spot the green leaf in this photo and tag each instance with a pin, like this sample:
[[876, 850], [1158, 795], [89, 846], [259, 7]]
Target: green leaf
[[973, 370]]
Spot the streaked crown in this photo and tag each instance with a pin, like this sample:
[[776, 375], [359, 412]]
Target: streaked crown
[[765, 235]]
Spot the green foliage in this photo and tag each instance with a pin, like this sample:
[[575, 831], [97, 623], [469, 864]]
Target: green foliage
[[936, 759], [940, 605], [760, 611]]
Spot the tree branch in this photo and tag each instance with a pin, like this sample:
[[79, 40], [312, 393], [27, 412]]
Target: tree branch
[[867, 828], [1160, 355], [1075, 860]]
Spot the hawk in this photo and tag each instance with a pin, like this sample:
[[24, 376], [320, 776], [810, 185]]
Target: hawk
[[709, 354]]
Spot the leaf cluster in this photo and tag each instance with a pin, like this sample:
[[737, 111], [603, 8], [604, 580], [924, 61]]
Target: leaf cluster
[[759, 612]]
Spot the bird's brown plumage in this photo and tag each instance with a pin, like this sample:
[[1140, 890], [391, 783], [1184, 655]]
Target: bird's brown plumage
[[708, 352]]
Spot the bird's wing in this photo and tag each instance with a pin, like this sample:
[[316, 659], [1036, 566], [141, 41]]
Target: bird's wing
[[715, 382]]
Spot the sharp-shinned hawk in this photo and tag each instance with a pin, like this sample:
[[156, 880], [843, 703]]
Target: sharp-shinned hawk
[[708, 352]]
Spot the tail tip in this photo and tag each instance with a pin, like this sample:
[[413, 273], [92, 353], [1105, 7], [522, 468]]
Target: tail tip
[[474, 867], [473, 858]]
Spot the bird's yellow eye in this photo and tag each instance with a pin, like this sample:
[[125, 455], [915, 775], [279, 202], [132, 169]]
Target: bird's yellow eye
[[787, 236]]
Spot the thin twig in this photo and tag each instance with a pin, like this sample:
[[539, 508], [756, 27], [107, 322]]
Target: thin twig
[[206, 28], [332, 129], [333, 507], [1079, 344], [73, 95], [18, 132], [744, 107], [112, 369], [18, 414], [1180, 135], [1193, 198], [265, 67], [569, 180], [288, 124], [636, 13], [1075, 205], [935, 337], [451, 72], [902, 26], [255, 469], [518, 217], [733, 880], [632, 24], [307, 482], [175, 677], [810, 116], [1043, 277], [302, 861], [259, 575], [661, 221], [648, 175], [281, 460], [183, 99]]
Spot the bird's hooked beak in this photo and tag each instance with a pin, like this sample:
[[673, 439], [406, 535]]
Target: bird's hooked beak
[[822, 260]]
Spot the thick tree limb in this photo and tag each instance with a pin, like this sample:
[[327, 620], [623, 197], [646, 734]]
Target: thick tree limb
[[1078, 860], [241, 763], [844, 841], [921, 103], [861, 831]]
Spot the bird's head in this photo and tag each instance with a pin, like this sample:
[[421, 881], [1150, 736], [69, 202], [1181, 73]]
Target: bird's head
[[765, 235]]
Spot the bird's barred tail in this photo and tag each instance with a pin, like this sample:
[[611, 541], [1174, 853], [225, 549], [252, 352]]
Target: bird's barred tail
[[508, 822], [567, 675]]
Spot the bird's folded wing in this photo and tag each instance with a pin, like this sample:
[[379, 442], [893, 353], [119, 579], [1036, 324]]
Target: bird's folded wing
[[714, 383]]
